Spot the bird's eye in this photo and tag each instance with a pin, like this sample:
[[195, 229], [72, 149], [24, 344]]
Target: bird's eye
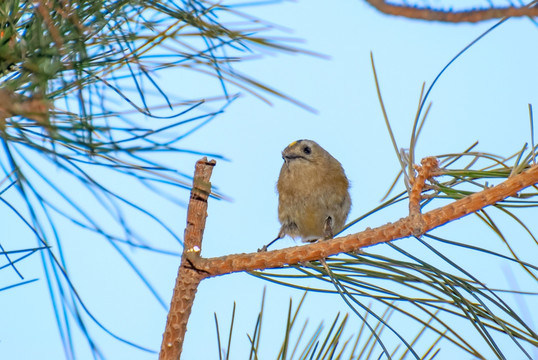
[[307, 150]]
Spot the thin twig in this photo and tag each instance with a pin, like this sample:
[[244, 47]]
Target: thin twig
[[430, 166], [471, 15]]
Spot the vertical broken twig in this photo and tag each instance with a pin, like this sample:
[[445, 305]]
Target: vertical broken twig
[[188, 277]]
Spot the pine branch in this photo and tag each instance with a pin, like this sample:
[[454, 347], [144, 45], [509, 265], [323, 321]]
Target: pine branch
[[194, 268], [452, 16], [392, 231]]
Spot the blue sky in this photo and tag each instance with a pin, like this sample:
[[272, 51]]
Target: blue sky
[[483, 96]]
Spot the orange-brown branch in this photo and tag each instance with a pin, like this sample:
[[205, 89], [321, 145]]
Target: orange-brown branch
[[403, 228], [194, 268], [13, 104], [472, 15], [429, 166], [188, 277]]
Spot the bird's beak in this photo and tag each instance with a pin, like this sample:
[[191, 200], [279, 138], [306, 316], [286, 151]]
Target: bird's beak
[[287, 157]]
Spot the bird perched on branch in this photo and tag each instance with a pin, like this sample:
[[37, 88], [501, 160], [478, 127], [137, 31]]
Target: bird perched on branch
[[313, 196]]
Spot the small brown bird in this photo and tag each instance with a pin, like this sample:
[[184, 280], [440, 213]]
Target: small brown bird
[[313, 196]]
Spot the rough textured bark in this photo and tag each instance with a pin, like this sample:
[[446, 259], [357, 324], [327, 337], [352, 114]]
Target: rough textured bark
[[194, 268], [402, 228], [472, 15], [188, 277], [429, 166]]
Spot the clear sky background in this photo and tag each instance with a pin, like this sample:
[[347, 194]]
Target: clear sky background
[[483, 97]]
